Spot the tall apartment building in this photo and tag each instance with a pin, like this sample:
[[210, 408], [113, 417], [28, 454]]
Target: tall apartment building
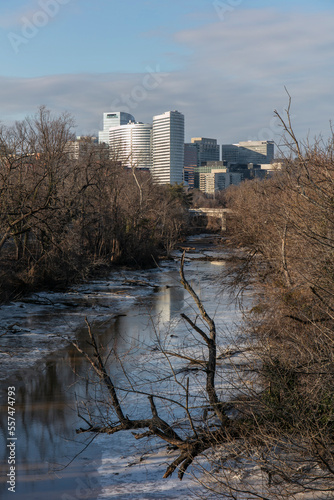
[[168, 148], [113, 119], [259, 152], [132, 144]]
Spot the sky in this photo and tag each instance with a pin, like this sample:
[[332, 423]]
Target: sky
[[227, 65]]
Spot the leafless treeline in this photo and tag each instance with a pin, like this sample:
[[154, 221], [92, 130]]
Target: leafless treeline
[[286, 227], [60, 216]]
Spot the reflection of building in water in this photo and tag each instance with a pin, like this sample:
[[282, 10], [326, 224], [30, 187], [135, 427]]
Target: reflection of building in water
[[169, 304]]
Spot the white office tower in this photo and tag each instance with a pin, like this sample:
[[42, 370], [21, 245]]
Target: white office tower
[[113, 119], [132, 145], [168, 148]]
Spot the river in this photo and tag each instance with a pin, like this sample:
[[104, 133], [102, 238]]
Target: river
[[46, 377]]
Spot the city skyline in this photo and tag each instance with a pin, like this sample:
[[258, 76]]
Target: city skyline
[[160, 148], [224, 64]]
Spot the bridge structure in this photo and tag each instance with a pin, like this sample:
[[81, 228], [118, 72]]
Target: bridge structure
[[217, 213]]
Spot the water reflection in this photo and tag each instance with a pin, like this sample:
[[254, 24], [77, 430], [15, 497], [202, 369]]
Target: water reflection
[[45, 429], [169, 304]]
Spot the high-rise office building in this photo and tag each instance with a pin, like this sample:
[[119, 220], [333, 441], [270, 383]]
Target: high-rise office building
[[168, 147], [113, 119], [230, 153], [132, 144], [259, 152], [208, 149]]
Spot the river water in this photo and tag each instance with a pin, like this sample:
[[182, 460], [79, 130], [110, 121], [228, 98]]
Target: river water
[[47, 376]]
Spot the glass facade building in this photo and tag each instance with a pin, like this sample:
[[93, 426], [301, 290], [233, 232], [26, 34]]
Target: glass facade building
[[208, 149], [190, 163], [259, 152]]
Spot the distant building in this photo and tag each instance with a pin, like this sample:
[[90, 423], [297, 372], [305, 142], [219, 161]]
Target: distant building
[[208, 149], [216, 180], [206, 168], [257, 152], [113, 119], [230, 153], [79, 147], [213, 179], [210, 182], [168, 148], [132, 144], [190, 163]]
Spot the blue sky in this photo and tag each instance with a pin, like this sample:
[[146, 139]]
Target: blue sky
[[223, 63]]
